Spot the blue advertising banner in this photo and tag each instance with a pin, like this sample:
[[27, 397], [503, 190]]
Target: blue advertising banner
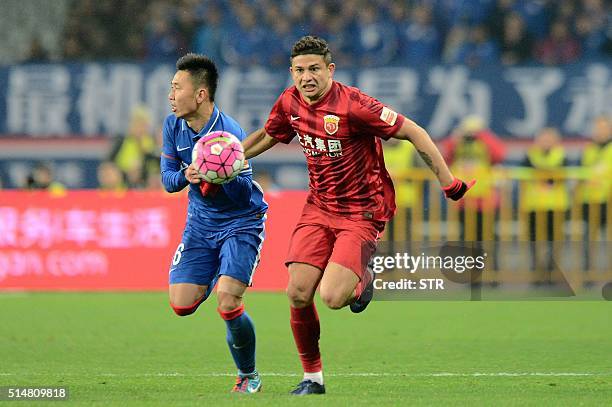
[[96, 99]]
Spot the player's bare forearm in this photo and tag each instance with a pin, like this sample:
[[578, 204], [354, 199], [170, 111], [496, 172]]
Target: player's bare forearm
[[426, 149], [257, 142]]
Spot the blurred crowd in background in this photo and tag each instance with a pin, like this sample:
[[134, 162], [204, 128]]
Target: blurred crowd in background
[[361, 33], [365, 33]]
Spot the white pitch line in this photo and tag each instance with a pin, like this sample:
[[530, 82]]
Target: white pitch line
[[386, 374], [357, 374]]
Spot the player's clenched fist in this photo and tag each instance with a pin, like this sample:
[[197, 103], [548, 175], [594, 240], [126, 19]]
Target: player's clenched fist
[[457, 189]]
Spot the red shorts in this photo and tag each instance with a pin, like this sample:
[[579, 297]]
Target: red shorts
[[321, 237]]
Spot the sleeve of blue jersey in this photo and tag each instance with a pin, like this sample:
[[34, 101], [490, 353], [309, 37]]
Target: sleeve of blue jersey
[[172, 174]]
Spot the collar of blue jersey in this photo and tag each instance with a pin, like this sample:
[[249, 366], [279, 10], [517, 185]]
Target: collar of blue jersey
[[214, 118]]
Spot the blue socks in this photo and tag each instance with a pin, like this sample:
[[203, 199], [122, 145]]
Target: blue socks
[[240, 338]]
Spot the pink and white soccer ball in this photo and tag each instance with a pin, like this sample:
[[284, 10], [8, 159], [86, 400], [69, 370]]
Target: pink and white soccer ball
[[219, 157]]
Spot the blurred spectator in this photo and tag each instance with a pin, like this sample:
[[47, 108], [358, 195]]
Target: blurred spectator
[[454, 43], [545, 194], [591, 36], [297, 11], [245, 44], [280, 38], [208, 38], [537, 14], [472, 141], [375, 40], [606, 47], [187, 18], [104, 29], [560, 47], [498, 15], [37, 52], [162, 40], [419, 38], [341, 38], [546, 155], [545, 200], [516, 43], [319, 17], [597, 161], [479, 49], [42, 177], [382, 31], [399, 159], [565, 11], [137, 153], [470, 12], [110, 178], [472, 151]]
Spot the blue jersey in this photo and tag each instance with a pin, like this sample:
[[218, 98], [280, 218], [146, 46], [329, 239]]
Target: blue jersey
[[237, 202]]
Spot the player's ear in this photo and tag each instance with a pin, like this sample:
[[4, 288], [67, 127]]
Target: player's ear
[[202, 95], [332, 68]]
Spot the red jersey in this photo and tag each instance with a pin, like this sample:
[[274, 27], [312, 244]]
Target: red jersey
[[340, 135]]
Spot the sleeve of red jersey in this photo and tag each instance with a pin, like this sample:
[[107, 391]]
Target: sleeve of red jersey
[[277, 125], [369, 114]]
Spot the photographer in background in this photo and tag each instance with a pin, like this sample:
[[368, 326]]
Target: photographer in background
[[472, 150]]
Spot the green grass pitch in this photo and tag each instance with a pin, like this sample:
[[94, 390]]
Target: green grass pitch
[[120, 349]]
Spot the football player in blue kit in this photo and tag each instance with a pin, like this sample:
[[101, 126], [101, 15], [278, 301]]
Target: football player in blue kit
[[224, 231]]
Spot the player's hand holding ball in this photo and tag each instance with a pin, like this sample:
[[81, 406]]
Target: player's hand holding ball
[[193, 175], [457, 189]]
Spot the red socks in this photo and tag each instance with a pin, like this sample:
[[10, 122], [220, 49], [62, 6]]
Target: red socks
[[306, 330], [233, 314]]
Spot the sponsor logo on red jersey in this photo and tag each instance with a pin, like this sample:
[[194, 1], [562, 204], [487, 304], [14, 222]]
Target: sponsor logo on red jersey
[[388, 116], [331, 123]]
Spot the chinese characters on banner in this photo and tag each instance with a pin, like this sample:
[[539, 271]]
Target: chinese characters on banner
[[96, 99], [88, 240]]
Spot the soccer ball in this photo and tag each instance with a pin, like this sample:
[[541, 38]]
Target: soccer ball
[[219, 157]]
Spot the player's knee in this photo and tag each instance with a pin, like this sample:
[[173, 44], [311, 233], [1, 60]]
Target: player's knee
[[228, 302], [229, 308], [298, 296], [184, 310], [333, 302], [332, 299]]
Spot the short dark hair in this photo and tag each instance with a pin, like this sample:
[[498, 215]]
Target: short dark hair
[[203, 71], [311, 44]]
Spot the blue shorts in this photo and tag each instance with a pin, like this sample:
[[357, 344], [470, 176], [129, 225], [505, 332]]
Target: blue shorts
[[202, 256]]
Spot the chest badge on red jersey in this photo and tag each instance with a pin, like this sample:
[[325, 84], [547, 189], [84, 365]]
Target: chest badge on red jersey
[[331, 124]]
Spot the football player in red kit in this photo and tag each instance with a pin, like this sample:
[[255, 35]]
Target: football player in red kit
[[351, 195]]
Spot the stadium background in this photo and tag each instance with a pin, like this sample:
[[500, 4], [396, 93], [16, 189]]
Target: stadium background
[[80, 211]]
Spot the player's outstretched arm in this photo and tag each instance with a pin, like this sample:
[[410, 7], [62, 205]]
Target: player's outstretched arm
[[454, 188], [258, 142]]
